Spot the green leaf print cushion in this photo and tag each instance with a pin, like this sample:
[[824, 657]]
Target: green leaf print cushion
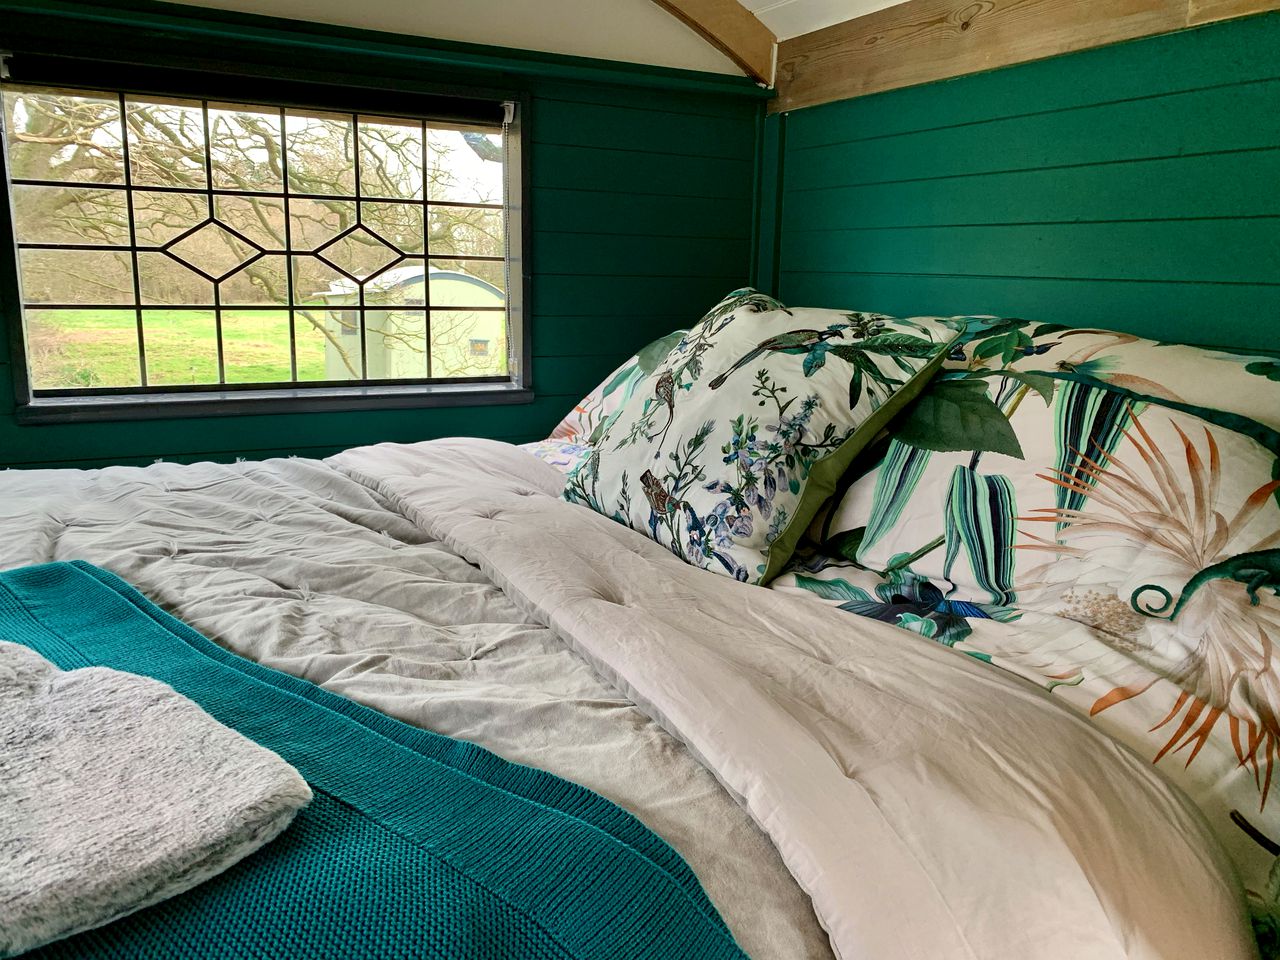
[[728, 448], [1127, 507], [988, 481], [1135, 529]]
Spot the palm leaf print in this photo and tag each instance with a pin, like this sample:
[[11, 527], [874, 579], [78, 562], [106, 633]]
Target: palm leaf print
[[1089, 425], [895, 483], [981, 512]]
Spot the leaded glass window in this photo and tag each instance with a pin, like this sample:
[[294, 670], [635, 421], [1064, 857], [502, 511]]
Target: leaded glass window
[[172, 243]]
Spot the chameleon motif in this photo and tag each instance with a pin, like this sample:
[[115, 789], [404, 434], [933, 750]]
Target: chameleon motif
[[1259, 570]]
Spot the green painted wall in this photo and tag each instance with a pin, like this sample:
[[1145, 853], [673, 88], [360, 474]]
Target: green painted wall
[[1135, 187], [642, 203]]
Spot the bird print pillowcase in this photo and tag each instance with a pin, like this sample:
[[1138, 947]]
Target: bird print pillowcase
[[728, 448], [587, 419]]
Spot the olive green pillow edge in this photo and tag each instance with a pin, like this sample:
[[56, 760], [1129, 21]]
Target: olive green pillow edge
[[822, 480]]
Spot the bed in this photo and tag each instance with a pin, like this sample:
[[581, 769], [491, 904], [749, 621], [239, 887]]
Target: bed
[[838, 786]]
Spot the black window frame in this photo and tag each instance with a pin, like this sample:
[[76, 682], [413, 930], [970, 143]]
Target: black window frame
[[257, 76]]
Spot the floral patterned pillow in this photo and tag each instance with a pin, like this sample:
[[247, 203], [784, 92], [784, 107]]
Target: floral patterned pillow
[[983, 483], [1100, 514], [588, 418], [725, 451], [1197, 376]]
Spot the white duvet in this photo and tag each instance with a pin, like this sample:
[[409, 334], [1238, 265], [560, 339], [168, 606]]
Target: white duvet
[[930, 806]]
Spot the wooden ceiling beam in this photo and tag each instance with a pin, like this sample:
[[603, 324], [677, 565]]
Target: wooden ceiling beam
[[733, 30], [925, 40]]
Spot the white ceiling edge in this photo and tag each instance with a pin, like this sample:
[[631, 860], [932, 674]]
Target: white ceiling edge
[[632, 31], [793, 18]]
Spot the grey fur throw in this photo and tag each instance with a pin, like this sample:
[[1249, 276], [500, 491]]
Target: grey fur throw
[[117, 793]]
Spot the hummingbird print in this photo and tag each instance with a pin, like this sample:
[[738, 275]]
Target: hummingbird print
[[794, 342]]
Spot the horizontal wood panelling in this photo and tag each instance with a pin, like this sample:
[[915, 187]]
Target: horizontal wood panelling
[[921, 41], [214, 456], [648, 174], [1240, 316], [1210, 185], [1154, 208], [583, 211], [617, 255], [24, 444], [629, 296], [587, 369], [1130, 71], [1199, 121], [1239, 251], [623, 128], [602, 335], [669, 101]]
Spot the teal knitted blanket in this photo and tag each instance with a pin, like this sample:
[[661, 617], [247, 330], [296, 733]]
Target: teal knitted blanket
[[415, 846]]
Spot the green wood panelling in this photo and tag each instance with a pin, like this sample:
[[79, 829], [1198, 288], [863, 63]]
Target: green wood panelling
[[1237, 117], [651, 174], [626, 128], [1209, 251], [618, 255], [672, 99], [1244, 315], [1231, 52], [1211, 185], [635, 214], [235, 436], [1135, 187], [601, 335], [769, 202], [629, 297], [641, 206]]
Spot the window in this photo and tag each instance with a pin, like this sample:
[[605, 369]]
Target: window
[[176, 244]]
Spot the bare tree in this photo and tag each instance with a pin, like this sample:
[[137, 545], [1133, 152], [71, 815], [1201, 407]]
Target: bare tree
[[80, 139]]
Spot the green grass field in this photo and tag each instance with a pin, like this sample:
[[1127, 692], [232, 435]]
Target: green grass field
[[90, 348], [99, 348]]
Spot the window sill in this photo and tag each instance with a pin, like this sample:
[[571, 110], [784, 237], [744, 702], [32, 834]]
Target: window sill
[[234, 403]]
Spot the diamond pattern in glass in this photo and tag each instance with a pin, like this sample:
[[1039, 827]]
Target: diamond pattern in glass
[[214, 249], [360, 253], [308, 232]]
